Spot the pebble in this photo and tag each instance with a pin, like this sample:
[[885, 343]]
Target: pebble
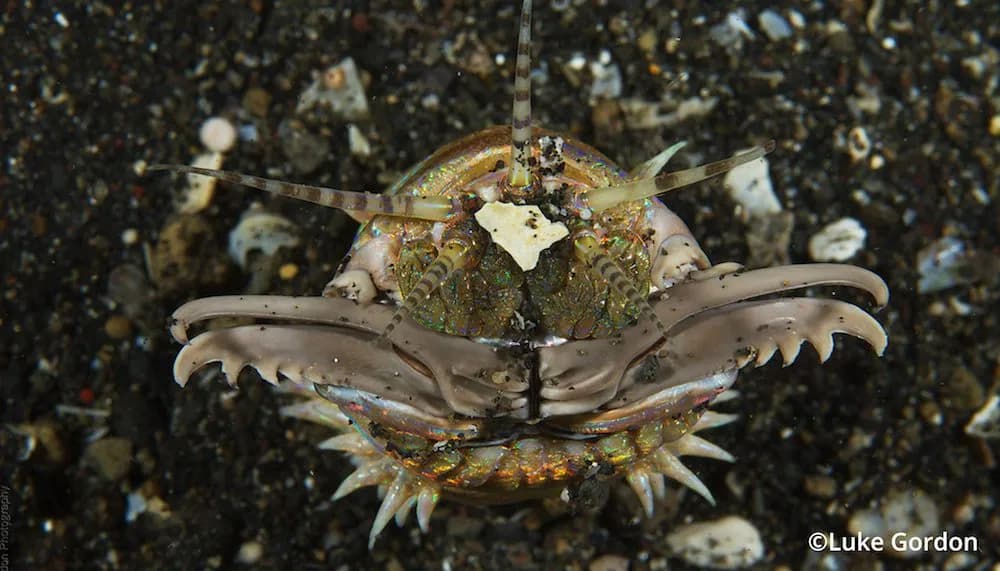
[[185, 255], [728, 543], [986, 422], [261, 231], [288, 271], [359, 145], [130, 236], [820, 486], [217, 134], [911, 512], [607, 81], [962, 391], [995, 126], [775, 27], [110, 457], [257, 101], [338, 88], [200, 189], [731, 32], [838, 241], [609, 563], [250, 553], [118, 327], [858, 144], [750, 186], [127, 285], [946, 263], [305, 151]]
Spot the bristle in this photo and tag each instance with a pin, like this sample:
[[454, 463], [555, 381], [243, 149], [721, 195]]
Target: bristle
[[599, 199], [403, 513], [692, 445], [427, 499], [396, 496], [653, 166], [520, 151], [350, 442], [453, 256], [589, 250], [656, 481], [639, 480], [712, 419], [402, 205], [368, 474], [671, 466]]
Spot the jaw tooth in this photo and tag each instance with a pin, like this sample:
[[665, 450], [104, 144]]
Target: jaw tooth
[[638, 478], [823, 345], [231, 370], [790, 349], [765, 353]]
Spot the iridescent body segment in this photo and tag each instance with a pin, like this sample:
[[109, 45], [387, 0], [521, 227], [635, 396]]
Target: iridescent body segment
[[520, 317]]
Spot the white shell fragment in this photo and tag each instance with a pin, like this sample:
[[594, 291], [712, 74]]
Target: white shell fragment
[[200, 189], [340, 88], [775, 27], [607, 81], [986, 422], [731, 32], [910, 512], [261, 231], [728, 543], [522, 231], [357, 142], [217, 134], [352, 284], [859, 146], [837, 241], [750, 186]]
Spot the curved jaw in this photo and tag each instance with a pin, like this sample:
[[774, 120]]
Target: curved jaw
[[710, 330]]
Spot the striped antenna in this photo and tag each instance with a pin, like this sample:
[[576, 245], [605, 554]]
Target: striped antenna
[[426, 208], [589, 251], [453, 256], [599, 199], [520, 150]]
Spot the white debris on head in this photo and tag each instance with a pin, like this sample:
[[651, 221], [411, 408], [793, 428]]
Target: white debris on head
[[522, 231]]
